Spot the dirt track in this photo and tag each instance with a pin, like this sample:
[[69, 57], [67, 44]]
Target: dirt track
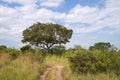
[[58, 74]]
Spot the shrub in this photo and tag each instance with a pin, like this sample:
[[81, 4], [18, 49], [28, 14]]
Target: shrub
[[115, 64], [73, 52], [83, 63], [26, 48], [58, 50], [95, 61], [2, 48], [13, 52]]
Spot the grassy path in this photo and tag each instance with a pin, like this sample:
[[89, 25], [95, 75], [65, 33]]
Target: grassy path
[[54, 72]]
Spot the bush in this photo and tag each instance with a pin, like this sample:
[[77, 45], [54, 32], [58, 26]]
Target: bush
[[95, 61], [2, 48], [26, 48], [83, 63], [58, 50], [13, 52], [72, 52], [115, 64]]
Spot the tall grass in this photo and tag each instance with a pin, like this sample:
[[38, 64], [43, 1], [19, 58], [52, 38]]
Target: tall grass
[[24, 67], [4, 59], [55, 60]]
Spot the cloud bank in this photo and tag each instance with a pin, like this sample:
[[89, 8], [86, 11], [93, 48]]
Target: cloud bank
[[82, 19]]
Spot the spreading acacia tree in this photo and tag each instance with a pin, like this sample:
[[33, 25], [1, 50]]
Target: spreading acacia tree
[[46, 35]]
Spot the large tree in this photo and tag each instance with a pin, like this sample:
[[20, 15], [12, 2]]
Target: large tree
[[46, 35]]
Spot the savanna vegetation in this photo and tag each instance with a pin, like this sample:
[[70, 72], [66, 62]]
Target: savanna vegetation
[[45, 50], [93, 64]]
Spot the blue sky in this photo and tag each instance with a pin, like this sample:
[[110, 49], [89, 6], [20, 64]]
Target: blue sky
[[91, 20]]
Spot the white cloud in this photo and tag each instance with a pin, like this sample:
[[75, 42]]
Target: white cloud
[[51, 3], [107, 18], [2, 30], [14, 20], [80, 14], [97, 19], [113, 9]]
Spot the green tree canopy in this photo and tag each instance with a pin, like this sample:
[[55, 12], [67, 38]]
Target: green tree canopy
[[101, 46], [45, 35], [26, 48]]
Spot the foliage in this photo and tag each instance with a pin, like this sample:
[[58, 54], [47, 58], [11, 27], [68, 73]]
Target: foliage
[[77, 47], [2, 48], [11, 51], [82, 63], [95, 61], [26, 48], [69, 75], [101, 46], [71, 52], [45, 35], [79, 63], [58, 50], [115, 63]]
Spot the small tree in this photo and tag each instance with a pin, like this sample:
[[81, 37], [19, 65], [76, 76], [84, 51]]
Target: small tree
[[101, 46], [26, 48], [46, 35]]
